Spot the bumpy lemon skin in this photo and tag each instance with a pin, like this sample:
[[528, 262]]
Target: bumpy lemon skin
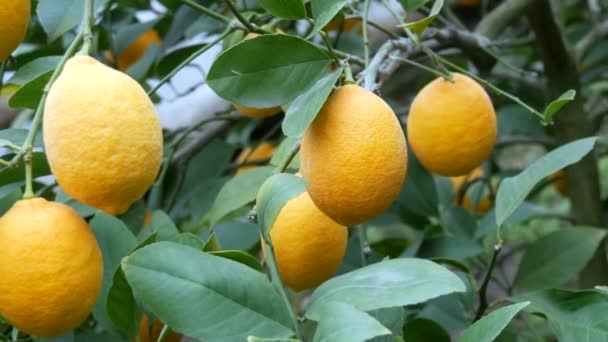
[[263, 151], [102, 135], [452, 126], [136, 50], [14, 20], [308, 245], [51, 268], [354, 156]]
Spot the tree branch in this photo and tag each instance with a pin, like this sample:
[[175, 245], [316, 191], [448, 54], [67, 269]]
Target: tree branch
[[496, 21]]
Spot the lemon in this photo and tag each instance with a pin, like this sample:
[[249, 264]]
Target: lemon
[[262, 152], [308, 245], [136, 50], [483, 204], [258, 113], [102, 135], [14, 20], [452, 126], [51, 268], [354, 156], [559, 182]]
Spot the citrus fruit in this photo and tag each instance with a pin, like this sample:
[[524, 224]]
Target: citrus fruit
[[262, 152], [102, 135], [354, 156], [151, 333], [51, 268], [258, 113], [452, 126], [14, 20], [308, 245], [484, 203], [136, 50], [559, 182]]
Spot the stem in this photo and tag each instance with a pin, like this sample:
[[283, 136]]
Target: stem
[[365, 35], [483, 300], [276, 281], [348, 75], [362, 240], [2, 69], [294, 151], [87, 28], [163, 333], [422, 66], [494, 88], [239, 17], [29, 189], [206, 11], [329, 47], [188, 61], [374, 24]]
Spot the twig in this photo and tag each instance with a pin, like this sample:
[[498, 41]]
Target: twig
[[239, 17], [495, 22], [365, 35], [294, 151], [87, 22], [206, 11], [483, 299]]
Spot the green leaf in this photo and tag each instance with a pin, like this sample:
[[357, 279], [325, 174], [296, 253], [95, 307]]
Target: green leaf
[[556, 105], [392, 318], [121, 306], [274, 193], [241, 257], [449, 248], [323, 11], [238, 192], [490, 326], [162, 224], [419, 194], [284, 67], [83, 209], [59, 16], [35, 69], [523, 213], [421, 25], [339, 322], [573, 316], [558, 257], [389, 283], [288, 9], [68, 337], [260, 339], [412, 5], [140, 69], [188, 239], [303, 110], [28, 96], [235, 235], [18, 135], [7, 201], [128, 34], [219, 299], [282, 153], [115, 241], [513, 190], [424, 330]]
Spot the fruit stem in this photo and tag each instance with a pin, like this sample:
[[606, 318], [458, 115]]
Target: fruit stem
[[206, 11], [423, 67], [348, 75], [87, 28], [329, 47], [29, 189], [239, 17], [365, 34], [278, 284], [292, 154], [189, 60]]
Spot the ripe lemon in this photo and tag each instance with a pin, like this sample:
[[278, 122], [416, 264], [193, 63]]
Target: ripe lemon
[[354, 156], [559, 182], [102, 135], [136, 50], [483, 205], [261, 153], [51, 267], [14, 20], [452, 126], [308, 245], [258, 113], [151, 334]]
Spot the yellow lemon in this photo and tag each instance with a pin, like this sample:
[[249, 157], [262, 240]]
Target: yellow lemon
[[151, 334], [258, 113], [102, 135], [452, 126], [51, 268], [559, 182], [14, 20], [136, 50], [308, 245], [262, 152], [483, 205], [354, 156]]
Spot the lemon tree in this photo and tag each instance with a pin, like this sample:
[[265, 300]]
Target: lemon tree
[[303, 171]]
